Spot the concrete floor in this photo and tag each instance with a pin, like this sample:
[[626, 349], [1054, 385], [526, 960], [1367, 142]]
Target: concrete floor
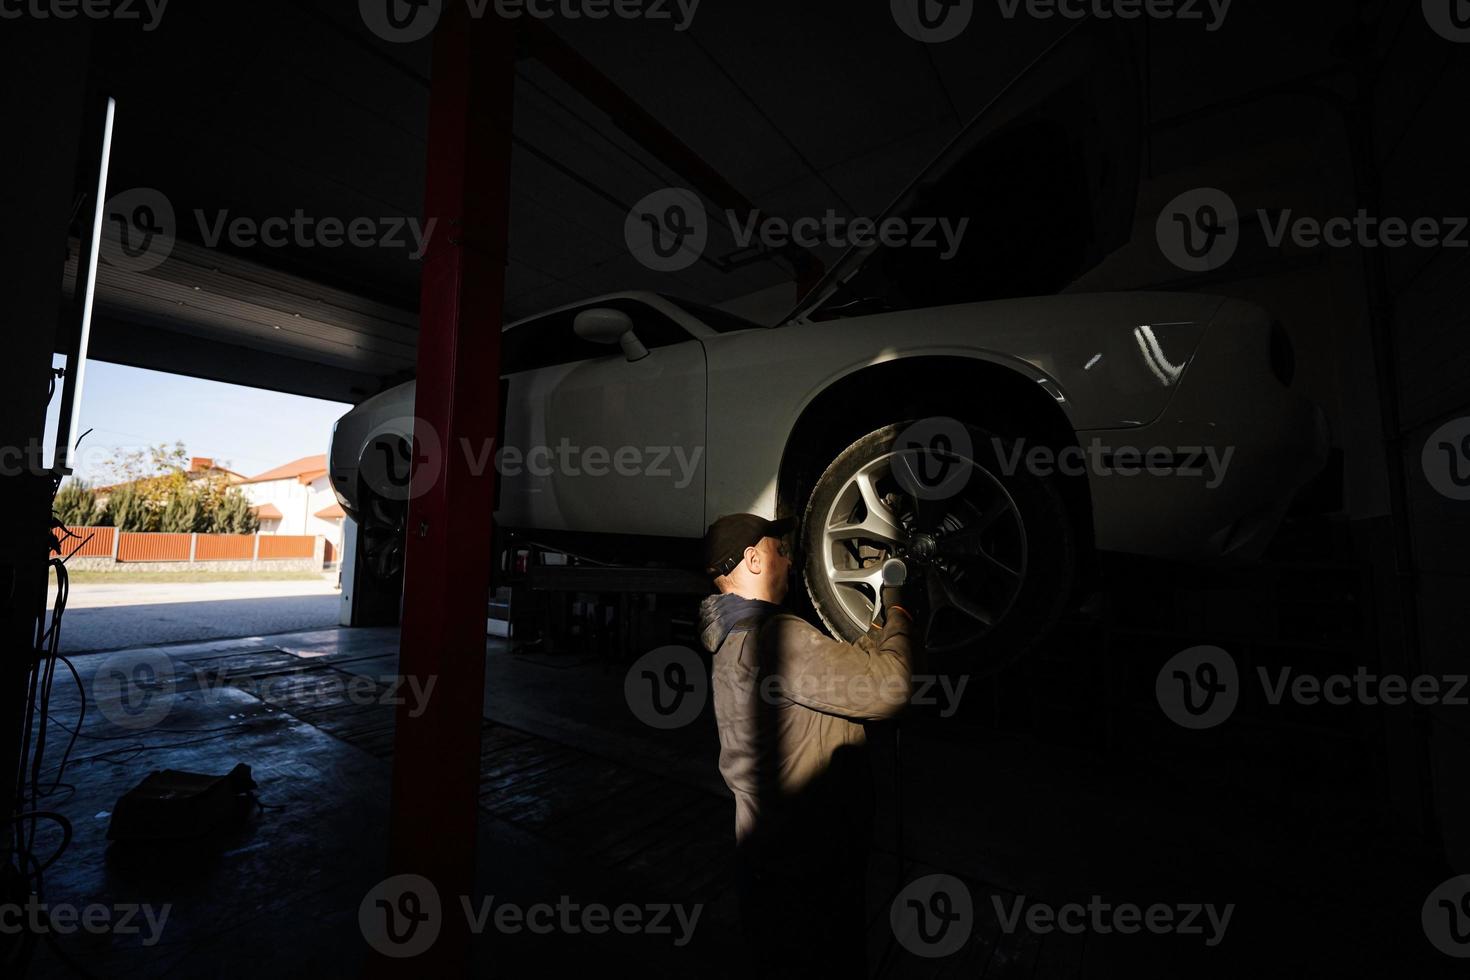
[[280, 895], [115, 616], [143, 592], [580, 799]]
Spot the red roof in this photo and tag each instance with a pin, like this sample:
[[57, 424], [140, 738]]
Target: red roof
[[267, 512], [331, 513], [305, 469], [198, 466]]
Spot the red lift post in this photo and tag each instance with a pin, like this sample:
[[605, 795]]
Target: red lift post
[[436, 756], [434, 805]]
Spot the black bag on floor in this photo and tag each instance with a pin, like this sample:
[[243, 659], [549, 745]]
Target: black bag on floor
[[170, 805]]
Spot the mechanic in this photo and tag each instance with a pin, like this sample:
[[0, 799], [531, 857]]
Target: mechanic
[[790, 703]]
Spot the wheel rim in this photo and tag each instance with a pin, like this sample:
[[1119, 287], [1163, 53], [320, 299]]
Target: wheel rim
[[970, 546], [382, 538]]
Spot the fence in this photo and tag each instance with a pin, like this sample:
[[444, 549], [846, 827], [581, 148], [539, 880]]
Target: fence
[[153, 547], [286, 545], [90, 542], [224, 547], [149, 546]]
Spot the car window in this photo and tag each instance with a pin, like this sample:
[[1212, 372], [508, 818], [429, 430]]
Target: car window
[[550, 340]]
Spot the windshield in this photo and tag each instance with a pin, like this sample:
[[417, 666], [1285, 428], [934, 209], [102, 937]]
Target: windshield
[[715, 319]]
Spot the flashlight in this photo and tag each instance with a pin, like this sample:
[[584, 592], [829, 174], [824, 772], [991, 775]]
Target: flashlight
[[894, 572], [892, 575]]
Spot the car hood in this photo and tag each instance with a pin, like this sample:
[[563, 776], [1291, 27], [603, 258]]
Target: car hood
[[1044, 187]]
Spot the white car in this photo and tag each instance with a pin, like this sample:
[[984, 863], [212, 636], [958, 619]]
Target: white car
[[1186, 442], [913, 405]]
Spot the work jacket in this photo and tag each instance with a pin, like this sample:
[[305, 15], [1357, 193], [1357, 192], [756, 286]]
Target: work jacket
[[790, 703]]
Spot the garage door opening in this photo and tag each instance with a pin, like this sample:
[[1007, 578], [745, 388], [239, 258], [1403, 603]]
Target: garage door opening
[[197, 510]]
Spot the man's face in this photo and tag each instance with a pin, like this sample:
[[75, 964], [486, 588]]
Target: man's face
[[776, 563]]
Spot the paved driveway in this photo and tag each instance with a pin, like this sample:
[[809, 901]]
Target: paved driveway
[[110, 616]]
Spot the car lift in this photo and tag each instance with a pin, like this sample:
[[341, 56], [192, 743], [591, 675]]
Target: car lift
[[547, 585]]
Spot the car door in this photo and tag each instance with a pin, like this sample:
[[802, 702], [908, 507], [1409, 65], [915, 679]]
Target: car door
[[597, 443]]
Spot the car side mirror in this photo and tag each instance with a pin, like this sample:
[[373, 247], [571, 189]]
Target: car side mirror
[[602, 325]]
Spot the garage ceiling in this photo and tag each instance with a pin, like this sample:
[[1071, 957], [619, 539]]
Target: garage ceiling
[[300, 107], [268, 109]]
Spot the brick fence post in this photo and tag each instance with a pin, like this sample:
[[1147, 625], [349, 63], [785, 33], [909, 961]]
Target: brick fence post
[[193, 547], [116, 541]]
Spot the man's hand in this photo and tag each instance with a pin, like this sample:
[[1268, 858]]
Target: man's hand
[[906, 597]]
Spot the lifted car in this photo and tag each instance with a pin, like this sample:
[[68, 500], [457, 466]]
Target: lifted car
[[973, 413]]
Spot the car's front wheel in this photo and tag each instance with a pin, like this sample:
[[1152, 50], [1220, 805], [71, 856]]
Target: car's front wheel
[[992, 544]]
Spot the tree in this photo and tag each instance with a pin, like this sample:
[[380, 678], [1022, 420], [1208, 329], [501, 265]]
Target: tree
[[212, 489], [233, 515], [182, 513], [127, 510], [76, 503], [134, 465], [145, 480], [155, 491]]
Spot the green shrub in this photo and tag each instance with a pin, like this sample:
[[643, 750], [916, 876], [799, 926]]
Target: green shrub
[[127, 510], [233, 515], [76, 504], [182, 514]]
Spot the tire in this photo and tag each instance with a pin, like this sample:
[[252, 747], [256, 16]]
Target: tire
[[379, 574], [385, 485], [995, 551]]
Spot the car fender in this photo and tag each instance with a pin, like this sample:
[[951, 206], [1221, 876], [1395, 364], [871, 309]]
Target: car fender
[[1109, 361]]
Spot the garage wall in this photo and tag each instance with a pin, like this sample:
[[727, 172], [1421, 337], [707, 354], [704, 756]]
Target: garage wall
[[1380, 334], [1421, 142]]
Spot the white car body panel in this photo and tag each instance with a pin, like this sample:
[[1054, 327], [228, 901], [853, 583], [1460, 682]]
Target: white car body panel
[[598, 417], [1143, 369], [764, 386]]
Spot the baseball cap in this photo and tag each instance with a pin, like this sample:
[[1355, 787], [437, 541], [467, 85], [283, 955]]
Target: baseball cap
[[728, 537]]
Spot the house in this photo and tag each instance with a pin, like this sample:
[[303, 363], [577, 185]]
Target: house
[[296, 498], [200, 467]]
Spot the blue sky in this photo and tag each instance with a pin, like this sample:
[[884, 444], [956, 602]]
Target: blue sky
[[248, 429]]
